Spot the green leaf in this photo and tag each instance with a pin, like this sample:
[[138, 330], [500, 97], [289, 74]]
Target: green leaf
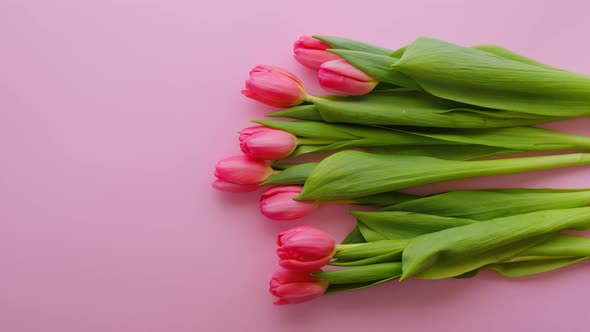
[[489, 204], [526, 268], [296, 174], [508, 54], [359, 274], [560, 245], [350, 174], [469, 274], [458, 250], [323, 132], [311, 129], [355, 236], [397, 225], [383, 258], [516, 138], [349, 44], [371, 249], [450, 152], [479, 78], [504, 140], [301, 112], [399, 52], [413, 108], [384, 199], [370, 235]]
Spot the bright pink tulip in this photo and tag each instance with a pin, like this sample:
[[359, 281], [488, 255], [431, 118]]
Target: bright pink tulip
[[274, 86], [264, 143], [340, 77], [311, 52], [293, 287], [278, 204], [241, 170], [305, 248]]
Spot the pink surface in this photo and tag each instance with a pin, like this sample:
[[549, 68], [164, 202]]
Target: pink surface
[[113, 114]]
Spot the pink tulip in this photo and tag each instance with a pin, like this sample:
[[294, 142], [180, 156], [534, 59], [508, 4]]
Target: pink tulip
[[240, 170], [340, 77], [278, 204], [264, 143], [293, 287], [305, 248], [311, 52], [274, 86]]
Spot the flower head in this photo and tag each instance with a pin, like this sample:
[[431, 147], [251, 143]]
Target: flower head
[[311, 52], [264, 143], [305, 248], [274, 86], [278, 204], [340, 77], [293, 287], [240, 173]]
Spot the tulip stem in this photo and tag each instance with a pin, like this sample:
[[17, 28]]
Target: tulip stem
[[340, 247], [314, 99]]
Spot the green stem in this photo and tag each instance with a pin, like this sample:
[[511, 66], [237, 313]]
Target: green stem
[[340, 247], [518, 165], [315, 141]]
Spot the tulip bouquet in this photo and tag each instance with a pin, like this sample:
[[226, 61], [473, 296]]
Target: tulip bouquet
[[397, 118]]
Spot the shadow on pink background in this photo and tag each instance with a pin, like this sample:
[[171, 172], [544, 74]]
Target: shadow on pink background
[[113, 114]]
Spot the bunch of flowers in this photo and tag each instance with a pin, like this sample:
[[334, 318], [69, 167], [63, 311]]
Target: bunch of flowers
[[395, 119]]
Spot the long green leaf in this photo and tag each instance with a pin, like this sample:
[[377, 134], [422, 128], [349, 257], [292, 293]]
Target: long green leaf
[[312, 129], [449, 152], [458, 250], [388, 257], [413, 108], [403, 226], [398, 225], [489, 204], [371, 249], [384, 198], [298, 174], [517, 138], [350, 174], [526, 268], [362, 135], [479, 78], [359, 274], [508, 54]]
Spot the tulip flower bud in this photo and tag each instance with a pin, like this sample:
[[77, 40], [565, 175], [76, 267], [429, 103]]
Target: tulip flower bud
[[264, 143], [274, 86], [293, 287], [240, 170], [305, 248], [340, 77], [311, 52], [278, 204]]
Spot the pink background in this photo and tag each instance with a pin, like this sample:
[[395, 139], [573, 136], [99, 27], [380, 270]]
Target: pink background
[[113, 114]]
